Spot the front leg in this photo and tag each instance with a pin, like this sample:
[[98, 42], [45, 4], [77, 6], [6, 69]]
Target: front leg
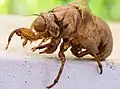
[[64, 46], [50, 47]]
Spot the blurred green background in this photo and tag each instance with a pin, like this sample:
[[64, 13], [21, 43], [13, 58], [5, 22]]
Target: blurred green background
[[107, 9]]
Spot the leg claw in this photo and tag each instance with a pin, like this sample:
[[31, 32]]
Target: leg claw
[[34, 49], [41, 52]]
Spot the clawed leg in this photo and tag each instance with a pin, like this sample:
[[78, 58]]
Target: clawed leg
[[64, 46], [36, 47], [75, 51], [98, 61], [50, 47], [24, 33], [24, 42]]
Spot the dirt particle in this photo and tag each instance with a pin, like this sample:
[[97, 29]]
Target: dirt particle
[[110, 64], [41, 73], [68, 76], [111, 67], [25, 61], [23, 64], [25, 81]]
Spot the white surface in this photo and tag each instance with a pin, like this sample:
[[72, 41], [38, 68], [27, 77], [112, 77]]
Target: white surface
[[22, 69]]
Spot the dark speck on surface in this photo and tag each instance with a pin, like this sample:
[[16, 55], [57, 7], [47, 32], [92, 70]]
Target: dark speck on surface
[[25, 61], [41, 73], [111, 67], [23, 64], [25, 81], [110, 64]]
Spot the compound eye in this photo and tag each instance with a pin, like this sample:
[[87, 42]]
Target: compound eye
[[40, 27]]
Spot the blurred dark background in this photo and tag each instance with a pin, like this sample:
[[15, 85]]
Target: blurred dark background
[[106, 9]]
